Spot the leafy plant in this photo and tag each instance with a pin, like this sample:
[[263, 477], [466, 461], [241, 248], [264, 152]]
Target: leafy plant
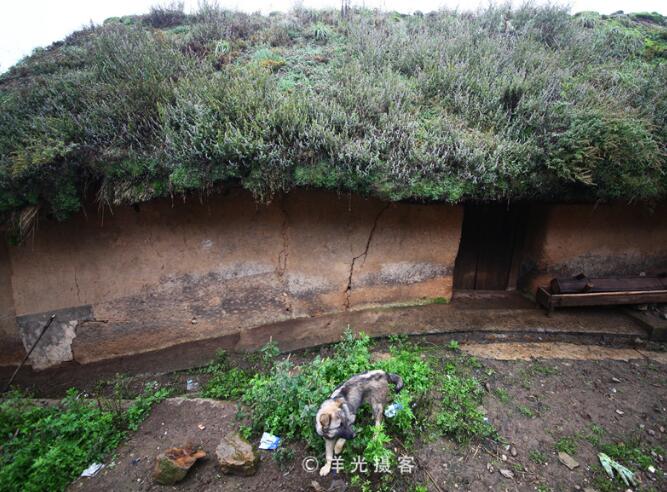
[[459, 415], [46, 447], [228, 384]]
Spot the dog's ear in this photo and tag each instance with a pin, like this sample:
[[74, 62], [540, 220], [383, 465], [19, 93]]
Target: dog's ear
[[325, 419]]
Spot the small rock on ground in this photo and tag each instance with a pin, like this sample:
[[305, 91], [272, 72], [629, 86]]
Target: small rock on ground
[[172, 465], [567, 460], [235, 456]]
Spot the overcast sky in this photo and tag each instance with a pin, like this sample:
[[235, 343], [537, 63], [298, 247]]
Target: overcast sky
[[27, 24]]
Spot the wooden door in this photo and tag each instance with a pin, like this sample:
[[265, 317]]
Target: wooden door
[[486, 250]]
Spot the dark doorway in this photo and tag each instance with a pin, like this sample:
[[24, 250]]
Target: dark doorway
[[489, 237]]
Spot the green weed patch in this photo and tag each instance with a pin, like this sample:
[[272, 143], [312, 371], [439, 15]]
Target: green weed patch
[[43, 448]]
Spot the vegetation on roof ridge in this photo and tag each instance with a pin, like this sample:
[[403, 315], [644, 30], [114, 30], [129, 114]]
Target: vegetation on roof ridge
[[499, 104]]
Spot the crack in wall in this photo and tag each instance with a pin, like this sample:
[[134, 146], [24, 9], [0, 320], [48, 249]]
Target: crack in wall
[[76, 283], [348, 290], [284, 253], [283, 256]]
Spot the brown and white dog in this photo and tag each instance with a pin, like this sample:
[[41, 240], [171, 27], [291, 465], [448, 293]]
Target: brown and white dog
[[336, 415]]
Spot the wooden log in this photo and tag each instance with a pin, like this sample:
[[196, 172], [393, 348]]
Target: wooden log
[[606, 284]]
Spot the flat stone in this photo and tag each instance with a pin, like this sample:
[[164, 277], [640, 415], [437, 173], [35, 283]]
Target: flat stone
[[567, 460], [172, 466], [316, 487], [507, 473], [235, 456]]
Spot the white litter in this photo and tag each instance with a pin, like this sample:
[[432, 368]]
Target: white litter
[[92, 470], [610, 466], [392, 410], [269, 441]]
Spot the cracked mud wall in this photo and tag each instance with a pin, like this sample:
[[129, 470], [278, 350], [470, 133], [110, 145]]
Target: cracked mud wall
[[159, 274], [604, 240], [11, 348]]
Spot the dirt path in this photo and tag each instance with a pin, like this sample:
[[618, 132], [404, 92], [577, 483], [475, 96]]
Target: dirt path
[[556, 350], [583, 396]]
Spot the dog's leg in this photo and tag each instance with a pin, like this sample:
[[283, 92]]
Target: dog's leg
[[339, 445], [329, 449], [378, 408]]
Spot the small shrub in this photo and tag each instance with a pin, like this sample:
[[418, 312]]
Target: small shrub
[[170, 15], [459, 415], [229, 384], [226, 382], [526, 411]]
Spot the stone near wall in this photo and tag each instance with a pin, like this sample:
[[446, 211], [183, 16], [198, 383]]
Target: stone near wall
[[236, 456], [173, 465]]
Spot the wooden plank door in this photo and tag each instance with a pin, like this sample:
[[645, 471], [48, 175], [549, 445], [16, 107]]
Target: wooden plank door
[[488, 236]]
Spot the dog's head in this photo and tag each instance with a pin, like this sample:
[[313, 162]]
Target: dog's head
[[333, 420]]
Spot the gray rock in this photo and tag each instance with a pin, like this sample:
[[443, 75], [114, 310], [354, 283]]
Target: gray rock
[[235, 456]]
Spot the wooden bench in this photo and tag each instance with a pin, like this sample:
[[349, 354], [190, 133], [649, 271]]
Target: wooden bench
[[604, 291], [551, 301]]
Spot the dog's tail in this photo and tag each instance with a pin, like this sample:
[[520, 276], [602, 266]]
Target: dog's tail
[[397, 380]]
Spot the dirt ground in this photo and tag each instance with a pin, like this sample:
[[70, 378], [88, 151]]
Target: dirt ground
[[532, 403]]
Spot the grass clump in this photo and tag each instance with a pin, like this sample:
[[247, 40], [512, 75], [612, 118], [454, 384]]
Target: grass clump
[[566, 444], [46, 447], [526, 411], [502, 395], [536, 456]]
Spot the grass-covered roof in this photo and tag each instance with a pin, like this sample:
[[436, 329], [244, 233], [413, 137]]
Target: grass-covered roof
[[447, 106]]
